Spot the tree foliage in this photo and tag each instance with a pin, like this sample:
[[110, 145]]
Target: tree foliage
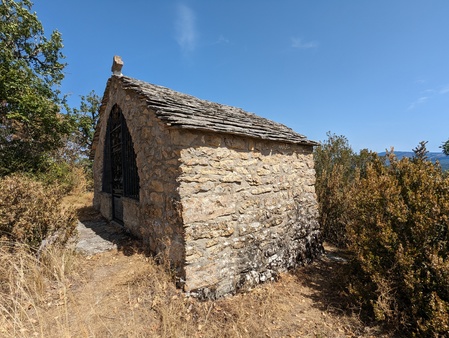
[[73, 157], [420, 152], [31, 125], [335, 165], [86, 120], [445, 148]]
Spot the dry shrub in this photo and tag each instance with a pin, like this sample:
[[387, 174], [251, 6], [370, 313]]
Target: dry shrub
[[79, 182], [69, 177], [31, 212], [398, 223]]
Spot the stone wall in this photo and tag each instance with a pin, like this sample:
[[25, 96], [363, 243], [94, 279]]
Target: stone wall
[[249, 210]]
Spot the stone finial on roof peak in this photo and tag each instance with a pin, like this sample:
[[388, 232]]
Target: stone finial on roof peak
[[117, 65]]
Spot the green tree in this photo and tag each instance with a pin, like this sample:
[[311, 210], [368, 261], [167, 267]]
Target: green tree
[[334, 169], [421, 151], [86, 121], [31, 123], [445, 147], [70, 162], [336, 166]]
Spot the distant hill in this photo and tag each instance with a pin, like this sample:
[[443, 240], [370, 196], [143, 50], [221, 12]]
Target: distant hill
[[443, 159]]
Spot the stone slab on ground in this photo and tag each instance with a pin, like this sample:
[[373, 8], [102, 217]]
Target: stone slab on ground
[[99, 236]]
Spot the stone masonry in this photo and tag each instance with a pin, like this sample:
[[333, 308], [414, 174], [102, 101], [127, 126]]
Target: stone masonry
[[249, 211], [228, 209]]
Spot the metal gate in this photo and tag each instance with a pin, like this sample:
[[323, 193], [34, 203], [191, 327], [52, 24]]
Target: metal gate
[[120, 176]]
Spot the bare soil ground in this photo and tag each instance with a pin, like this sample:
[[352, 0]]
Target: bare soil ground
[[124, 293]]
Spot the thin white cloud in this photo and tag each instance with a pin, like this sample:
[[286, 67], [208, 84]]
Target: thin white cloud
[[421, 100], [429, 94], [300, 44], [186, 33]]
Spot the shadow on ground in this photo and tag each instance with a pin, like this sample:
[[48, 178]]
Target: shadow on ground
[[327, 278], [97, 235]]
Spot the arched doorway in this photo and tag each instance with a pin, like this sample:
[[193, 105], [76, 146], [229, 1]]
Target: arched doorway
[[120, 176]]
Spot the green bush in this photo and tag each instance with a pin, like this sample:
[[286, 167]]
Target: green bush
[[397, 226], [31, 212], [336, 165], [333, 166]]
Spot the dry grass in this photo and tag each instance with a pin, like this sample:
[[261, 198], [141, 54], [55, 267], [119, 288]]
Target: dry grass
[[117, 295], [28, 285], [126, 294]]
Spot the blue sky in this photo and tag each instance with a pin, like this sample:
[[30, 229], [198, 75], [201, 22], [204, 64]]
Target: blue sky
[[374, 71]]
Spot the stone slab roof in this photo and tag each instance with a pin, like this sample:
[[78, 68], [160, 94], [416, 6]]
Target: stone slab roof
[[185, 111]]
